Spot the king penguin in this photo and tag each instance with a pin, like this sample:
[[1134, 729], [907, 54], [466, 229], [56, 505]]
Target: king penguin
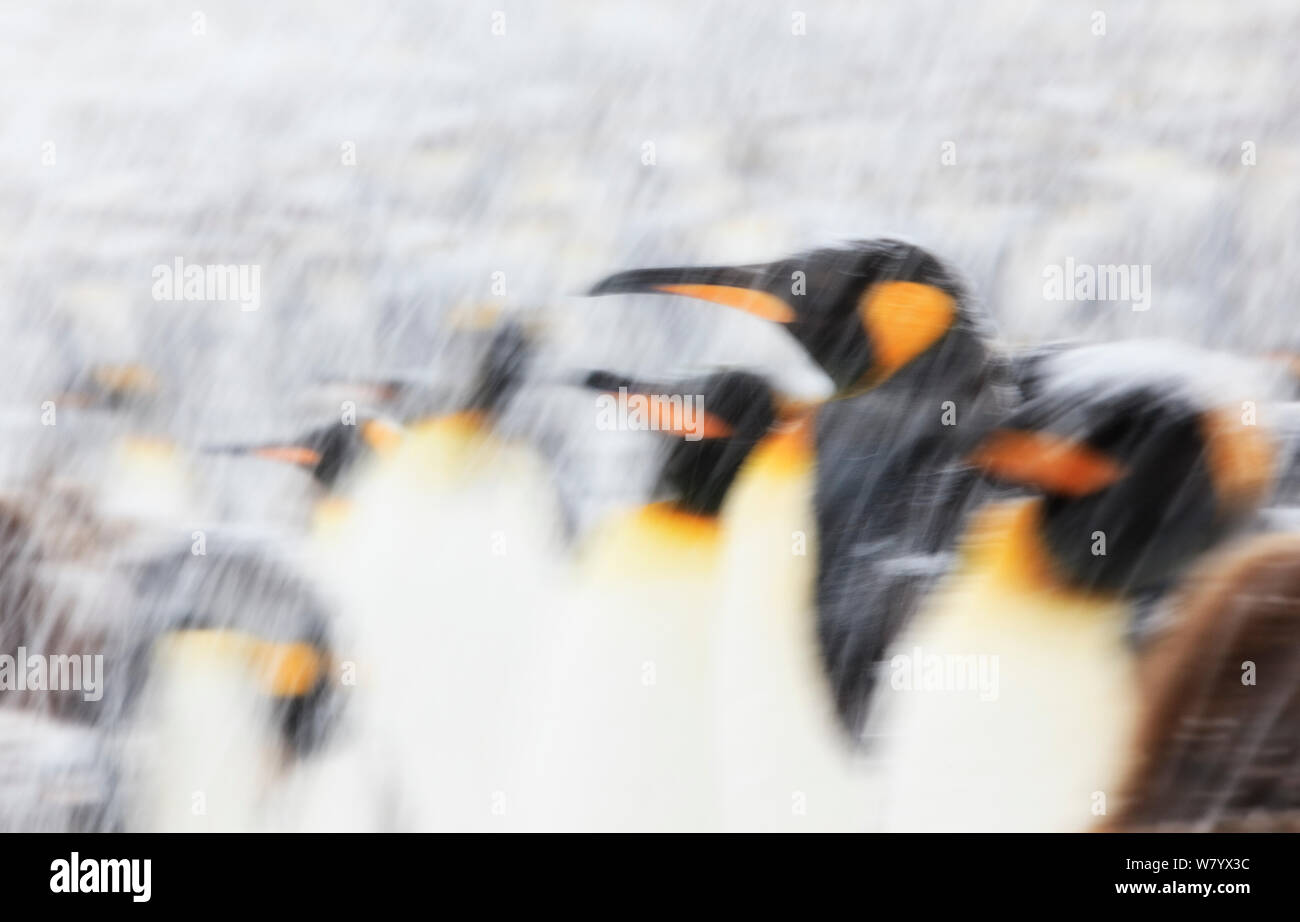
[[1012, 695], [336, 456], [330, 454], [631, 740], [142, 478], [446, 569], [916, 383], [436, 570], [239, 665], [232, 685]]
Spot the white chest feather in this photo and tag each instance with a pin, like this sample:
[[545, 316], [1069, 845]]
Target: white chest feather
[[784, 763], [447, 568], [1005, 707], [628, 726]]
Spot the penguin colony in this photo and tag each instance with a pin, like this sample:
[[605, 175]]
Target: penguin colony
[[975, 588]]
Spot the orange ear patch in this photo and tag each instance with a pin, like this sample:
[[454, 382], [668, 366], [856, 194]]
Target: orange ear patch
[[288, 670], [1240, 457], [146, 447], [131, 378], [285, 669], [471, 317], [758, 303], [1053, 464], [902, 320], [789, 451], [290, 454], [380, 436]]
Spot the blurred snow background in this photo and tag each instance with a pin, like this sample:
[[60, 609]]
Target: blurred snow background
[[522, 153]]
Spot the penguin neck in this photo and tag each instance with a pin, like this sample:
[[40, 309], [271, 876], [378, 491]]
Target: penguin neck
[[468, 425], [679, 524], [331, 511], [460, 433], [1006, 541], [700, 474], [788, 451]]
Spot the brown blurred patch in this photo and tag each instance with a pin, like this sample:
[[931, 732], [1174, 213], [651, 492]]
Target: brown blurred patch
[[21, 596], [1213, 753]]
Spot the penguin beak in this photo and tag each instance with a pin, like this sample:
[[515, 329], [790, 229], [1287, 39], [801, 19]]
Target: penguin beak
[[112, 385], [746, 288], [901, 319], [289, 453], [281, 669], [1240, 457], [130, 380], [1050, 463], [663, 411], [378, 390]]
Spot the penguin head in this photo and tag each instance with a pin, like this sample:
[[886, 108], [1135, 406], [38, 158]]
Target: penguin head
[[863, 312], [331, 452], [1136, 479], [479, 369], [501, 371], [714, 422], [249, 611], [113, 387]]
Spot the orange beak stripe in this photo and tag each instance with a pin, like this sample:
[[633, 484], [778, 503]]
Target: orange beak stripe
[[668, 415], [1048, 462], [290, 454], [758, 303]]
